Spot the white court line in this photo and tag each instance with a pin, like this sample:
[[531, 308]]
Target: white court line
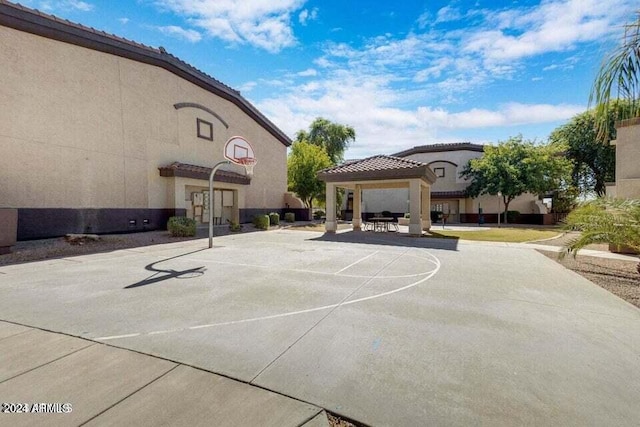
[[430, 274], [354, 263], [299, 270]]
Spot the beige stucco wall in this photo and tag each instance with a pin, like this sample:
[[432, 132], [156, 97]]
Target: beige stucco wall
[[84, 129], [451, 180], [453, 163], [628, 160], [492, 204]]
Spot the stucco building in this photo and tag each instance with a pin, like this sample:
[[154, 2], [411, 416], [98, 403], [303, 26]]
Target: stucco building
[[448, 192], [102, 134], [627, 143]]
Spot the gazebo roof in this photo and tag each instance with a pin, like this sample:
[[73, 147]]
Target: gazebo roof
[[380, 167]]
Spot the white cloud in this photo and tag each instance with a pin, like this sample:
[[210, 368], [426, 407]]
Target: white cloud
[[309, 72], [79, 5], [62, 5], [247, 87], [448, 14], [424, 20], [305, 16], [511, 114], [553, 26], [419, 87], [261, 23], [124, 21], [178, 32]]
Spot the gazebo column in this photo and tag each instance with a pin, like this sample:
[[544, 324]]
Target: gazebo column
[[426, 208], [330, 225], [415, 203], [357, 207]]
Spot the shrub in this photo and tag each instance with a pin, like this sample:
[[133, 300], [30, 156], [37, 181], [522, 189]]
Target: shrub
[[261, 222], [234, 226], [436, 216], [407, 215], [181, 226], [318, 214], [290, 217], [512, 216], [274, 218]]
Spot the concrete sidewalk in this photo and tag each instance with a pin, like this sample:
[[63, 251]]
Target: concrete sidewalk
[[105, 385]]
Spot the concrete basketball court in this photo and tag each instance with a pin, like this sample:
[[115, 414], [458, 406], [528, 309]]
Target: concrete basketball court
[[381, 328]]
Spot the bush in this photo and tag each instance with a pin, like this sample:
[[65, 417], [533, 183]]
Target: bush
[[261, 222], [436, 216], [318, 214], [512, 216], [181, 226], [290, 217], [407, 215], [234, 226], [274, 218]]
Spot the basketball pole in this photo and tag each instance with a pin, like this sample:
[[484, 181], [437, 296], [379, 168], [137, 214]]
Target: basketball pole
[[213, 171]]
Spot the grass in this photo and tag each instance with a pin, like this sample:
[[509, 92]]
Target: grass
[[505, 234]]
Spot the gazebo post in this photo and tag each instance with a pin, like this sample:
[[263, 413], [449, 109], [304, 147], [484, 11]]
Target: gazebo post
[[426, 208], [330, 225], [357, 207], [415, 201]]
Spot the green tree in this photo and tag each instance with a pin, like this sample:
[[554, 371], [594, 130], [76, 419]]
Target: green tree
[[303, 164], [612, 221], [515, 167], [618, 78], [334, 138], [593, 159]]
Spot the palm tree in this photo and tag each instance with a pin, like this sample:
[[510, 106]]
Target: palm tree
[[619, 78], [333, 137], [610, 221]]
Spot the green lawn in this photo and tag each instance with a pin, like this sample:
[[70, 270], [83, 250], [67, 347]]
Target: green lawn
[[505, 234]]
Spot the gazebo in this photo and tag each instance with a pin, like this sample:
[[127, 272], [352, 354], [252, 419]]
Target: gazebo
[[381, 172]]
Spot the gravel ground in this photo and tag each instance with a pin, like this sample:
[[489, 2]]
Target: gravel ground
[[36, 250], [621, 278], [335, 421]]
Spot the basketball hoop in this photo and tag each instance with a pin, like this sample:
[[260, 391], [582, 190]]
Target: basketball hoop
[[248, 163], [239, 151]]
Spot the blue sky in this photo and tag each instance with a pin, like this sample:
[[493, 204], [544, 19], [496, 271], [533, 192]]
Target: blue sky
[[401, 73]]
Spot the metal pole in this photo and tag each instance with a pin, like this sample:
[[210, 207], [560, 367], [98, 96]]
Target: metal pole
[[499, 195], [213, 171]]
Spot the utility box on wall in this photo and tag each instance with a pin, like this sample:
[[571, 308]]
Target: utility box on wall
[[8, 229]]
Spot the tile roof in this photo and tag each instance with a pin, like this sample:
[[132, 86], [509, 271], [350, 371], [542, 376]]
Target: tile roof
[[36, 22], [378, 167], [186, 170], [375, 163], [437, 148]]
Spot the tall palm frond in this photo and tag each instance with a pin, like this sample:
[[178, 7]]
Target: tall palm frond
[[618, 78]]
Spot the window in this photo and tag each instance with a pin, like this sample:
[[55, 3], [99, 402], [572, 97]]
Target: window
[[205, 129], [439, 172]]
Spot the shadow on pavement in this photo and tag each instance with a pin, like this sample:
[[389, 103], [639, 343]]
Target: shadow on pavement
[[169, 274], [390, 239]]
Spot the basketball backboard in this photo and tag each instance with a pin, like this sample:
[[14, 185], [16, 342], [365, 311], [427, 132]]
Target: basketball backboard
[[238, 150]]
